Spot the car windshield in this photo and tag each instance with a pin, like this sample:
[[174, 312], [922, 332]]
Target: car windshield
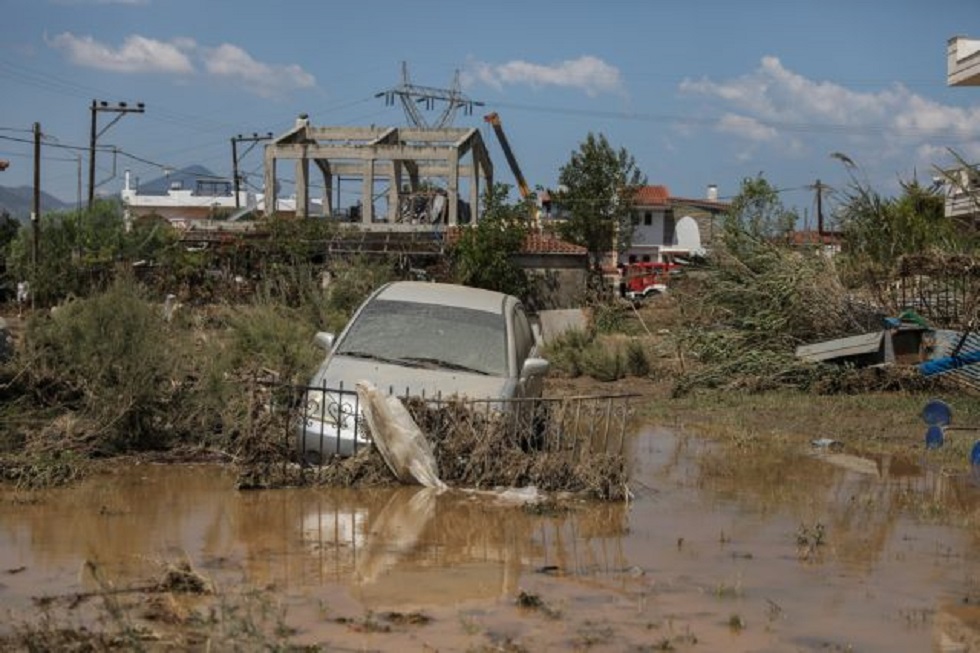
[[429, 334]]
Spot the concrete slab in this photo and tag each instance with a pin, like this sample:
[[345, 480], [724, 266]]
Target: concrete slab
[[556, 321]]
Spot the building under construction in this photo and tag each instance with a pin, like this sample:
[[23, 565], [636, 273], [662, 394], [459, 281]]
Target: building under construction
[[407, 178]]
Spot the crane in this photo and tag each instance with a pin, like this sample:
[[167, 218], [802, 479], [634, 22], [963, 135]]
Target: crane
[[498, 129]]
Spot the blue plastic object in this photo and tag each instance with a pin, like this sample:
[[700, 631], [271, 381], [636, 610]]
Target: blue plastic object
[[937, 413], [975, 454], [935, 436]]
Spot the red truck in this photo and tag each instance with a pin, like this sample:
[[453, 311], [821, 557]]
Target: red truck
[[642, 280]]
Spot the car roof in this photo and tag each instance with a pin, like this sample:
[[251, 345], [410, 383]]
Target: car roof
[[445, 294]]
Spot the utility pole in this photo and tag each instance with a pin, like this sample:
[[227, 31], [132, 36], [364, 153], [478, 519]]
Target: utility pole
[[819, 188], [36, 201], [120, 109], [819, 208], [235, 140]]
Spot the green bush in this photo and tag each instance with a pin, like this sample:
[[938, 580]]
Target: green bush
[[610, 317], [576, 352], [564, 352], [110, 358], [637, 363], [603, 362]]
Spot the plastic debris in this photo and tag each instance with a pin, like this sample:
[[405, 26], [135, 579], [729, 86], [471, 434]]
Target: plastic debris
[[398, 438], [935, 437], [827, 443], [937, 412]]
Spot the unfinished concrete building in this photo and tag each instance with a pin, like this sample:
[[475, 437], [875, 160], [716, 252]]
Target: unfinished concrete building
[[407, 178]]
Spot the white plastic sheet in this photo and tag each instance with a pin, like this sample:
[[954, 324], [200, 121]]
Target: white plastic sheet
[[398, 438]]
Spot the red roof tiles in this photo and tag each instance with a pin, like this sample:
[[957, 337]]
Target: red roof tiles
[[541, 243], [651, 196]]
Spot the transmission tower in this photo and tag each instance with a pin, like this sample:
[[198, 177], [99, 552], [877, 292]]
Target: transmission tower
[[413, 96]]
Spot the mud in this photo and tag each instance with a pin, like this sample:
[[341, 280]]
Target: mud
[[807, 555]]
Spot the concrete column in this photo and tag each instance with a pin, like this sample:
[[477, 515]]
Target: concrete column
[[453, 188], [367, 193], [270, 180], [475, 191], [328, 195], [394, 190], [303, 186]]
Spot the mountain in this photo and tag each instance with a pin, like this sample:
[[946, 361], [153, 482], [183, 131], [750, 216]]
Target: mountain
[[186, 177], [17, 201]]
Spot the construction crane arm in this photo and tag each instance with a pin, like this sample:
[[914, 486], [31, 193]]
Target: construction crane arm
[[498, 129]]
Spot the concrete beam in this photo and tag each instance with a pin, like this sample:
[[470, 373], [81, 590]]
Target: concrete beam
[[363, 153]]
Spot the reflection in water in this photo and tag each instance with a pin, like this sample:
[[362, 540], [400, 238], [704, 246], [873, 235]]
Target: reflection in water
[[706, 538], [136, 519], [396, 531]]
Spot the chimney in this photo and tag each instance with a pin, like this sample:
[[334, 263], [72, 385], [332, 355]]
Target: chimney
[[712, 193]]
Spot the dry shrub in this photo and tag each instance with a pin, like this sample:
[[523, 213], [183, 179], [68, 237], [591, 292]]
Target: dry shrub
[[365, 469], [474, 448], [746, 313], [477, 449], [109, 357], [181, 578]]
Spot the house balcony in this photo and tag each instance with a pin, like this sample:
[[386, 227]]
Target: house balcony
[[962, 204], [963, 62]]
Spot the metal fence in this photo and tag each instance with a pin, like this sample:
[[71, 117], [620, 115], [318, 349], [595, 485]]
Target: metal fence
[[322, 423], [944, 291]]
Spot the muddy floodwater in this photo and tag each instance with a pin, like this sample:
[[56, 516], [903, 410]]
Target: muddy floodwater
[[828, 555]]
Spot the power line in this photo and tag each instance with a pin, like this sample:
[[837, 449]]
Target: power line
[[711, 121]]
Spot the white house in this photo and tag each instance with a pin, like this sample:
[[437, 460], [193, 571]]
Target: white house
[[665, 227]]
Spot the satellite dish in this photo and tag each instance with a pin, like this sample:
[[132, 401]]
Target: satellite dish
[[935, 437], [975, 454], [937, 413]]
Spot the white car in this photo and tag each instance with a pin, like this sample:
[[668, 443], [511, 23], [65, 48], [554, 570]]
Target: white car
[[413, 338]]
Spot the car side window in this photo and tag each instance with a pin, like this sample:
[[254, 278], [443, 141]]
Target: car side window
[[523, 337]]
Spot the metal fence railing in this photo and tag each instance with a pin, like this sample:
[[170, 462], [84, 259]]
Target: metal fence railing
[[323, 423]]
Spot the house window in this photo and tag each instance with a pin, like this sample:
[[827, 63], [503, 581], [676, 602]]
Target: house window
[[670, 227], [648, 218], [635, 219], [646, 258], [632, 258]]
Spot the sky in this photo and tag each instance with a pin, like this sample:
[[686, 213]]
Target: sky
[[699, 92]]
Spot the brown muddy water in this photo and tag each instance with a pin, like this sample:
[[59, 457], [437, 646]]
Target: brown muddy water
[[825, 556]]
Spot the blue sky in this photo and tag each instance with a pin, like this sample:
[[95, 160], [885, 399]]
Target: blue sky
[[699, 92]]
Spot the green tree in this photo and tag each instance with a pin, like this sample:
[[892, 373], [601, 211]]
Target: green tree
[[879, 230], [9, 226], [757, 213], [484, 254], [599, 186], [77, 249]]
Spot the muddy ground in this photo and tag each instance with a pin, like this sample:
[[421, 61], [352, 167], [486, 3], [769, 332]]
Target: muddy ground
[[740, 535], [804, 555]]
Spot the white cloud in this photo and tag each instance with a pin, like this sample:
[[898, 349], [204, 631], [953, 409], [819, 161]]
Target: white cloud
[[137, 54], [587, 73], [746, 127], [183, 56], [232, 62], [772, 101]]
